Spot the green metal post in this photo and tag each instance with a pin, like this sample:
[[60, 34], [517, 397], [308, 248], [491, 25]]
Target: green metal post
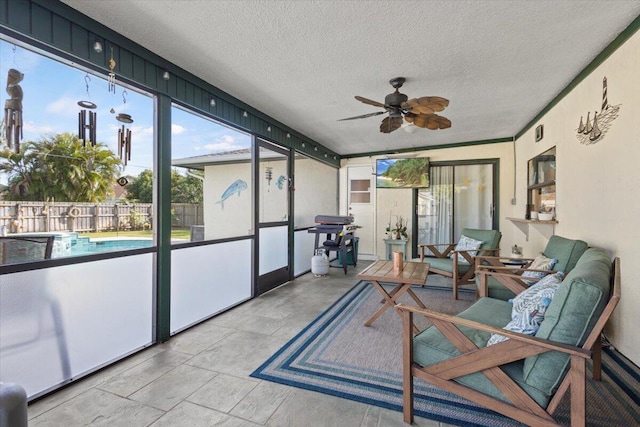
[[163, 206]]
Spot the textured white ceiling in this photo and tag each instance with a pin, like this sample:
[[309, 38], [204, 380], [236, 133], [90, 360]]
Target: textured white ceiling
[[302, 62]]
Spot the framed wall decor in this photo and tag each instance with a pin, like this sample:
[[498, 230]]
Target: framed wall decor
[[539, 132]]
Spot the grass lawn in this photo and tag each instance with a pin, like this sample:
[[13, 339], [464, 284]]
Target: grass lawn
[[178, 234]]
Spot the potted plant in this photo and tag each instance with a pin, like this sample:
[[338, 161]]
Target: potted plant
[[401, 228]]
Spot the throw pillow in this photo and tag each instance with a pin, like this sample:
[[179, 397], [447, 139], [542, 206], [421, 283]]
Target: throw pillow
[[529, 307], [467, 244], [541, 262]]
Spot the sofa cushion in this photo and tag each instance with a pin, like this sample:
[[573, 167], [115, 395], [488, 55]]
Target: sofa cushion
[[566, 251], [574, 310], [430, 347]]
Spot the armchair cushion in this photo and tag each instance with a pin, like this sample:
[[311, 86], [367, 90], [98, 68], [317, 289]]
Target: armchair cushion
[[572, 314], [445, 264], [467, 244], [490, 238]]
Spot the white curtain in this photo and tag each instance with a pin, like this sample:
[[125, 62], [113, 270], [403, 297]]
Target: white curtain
[[435, 207], [442, 183]]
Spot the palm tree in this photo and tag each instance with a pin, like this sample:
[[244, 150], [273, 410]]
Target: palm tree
[[60, 167], [409, 171], [19, 173]]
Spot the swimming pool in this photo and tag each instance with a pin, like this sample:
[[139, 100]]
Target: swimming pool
[[86, 246], [72, 244]]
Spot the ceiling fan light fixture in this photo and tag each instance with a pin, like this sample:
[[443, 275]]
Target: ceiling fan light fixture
[[410, 127]]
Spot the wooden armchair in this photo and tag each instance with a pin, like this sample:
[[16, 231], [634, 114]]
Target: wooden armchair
[[524, 377], [446, 261]]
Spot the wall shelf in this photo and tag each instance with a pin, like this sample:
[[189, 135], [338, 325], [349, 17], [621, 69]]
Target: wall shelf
[[531, 221], [525, 224]]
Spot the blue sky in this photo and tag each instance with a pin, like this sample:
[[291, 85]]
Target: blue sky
[[51, 93]]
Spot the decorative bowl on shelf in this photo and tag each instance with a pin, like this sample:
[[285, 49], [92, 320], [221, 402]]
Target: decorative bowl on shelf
[[545, 216]]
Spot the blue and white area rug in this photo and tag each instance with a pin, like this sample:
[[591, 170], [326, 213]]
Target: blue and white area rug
[[336, 354]]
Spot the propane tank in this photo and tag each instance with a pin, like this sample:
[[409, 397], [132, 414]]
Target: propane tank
[[320, 263]]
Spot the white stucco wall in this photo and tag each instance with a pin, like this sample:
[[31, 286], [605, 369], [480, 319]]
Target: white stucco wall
[[596, 184]]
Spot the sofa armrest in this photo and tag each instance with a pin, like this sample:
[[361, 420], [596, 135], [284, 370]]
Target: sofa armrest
[[527, 339]]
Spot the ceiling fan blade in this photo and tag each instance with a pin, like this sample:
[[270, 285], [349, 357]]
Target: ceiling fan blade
[[389, 124], [364, 116], [431, 121], [443, 122], [370, 102], [426, 104]]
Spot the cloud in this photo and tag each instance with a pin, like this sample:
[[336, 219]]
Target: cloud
[[62, 106], [177, 129], [222, 143], [39, 130]]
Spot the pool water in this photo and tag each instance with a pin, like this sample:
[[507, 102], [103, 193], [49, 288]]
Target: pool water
[[71, 244], [85, 246]]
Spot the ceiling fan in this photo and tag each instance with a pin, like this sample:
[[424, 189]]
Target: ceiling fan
[[417, 111]]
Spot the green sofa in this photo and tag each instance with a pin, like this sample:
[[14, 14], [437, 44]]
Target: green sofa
[[518, 377]]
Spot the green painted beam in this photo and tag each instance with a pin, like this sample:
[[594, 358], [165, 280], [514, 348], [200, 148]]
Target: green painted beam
[[163, 206], [429, 147]]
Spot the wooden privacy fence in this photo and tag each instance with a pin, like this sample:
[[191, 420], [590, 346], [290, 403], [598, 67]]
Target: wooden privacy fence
[[36, 217]]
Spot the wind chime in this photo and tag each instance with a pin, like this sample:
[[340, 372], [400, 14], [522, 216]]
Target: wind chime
[[124, 134], [111, 80], [13, 108], [82, 118]]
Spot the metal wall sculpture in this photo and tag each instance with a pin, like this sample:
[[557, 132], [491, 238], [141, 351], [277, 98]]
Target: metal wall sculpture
[[13, 109], [593, 131]]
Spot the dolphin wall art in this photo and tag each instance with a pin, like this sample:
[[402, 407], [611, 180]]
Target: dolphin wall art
[[238, 186]]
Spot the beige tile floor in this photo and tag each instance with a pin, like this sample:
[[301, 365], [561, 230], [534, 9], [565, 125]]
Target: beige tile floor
[[200, 377]]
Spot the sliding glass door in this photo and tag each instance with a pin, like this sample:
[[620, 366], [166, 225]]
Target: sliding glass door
[[460, 196]]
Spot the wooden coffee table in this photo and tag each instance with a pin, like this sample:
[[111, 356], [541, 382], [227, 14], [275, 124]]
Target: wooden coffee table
[[413, 273]]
